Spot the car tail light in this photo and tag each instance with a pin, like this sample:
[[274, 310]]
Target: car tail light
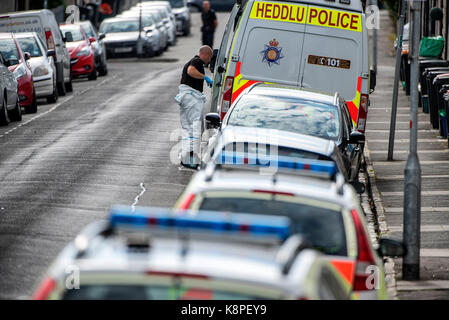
[[364, 255], [50, 40], [227, 96], [187, 201], [363, 112], [44, 289]]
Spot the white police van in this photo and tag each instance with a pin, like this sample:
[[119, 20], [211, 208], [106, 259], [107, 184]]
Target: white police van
[[317, 44]]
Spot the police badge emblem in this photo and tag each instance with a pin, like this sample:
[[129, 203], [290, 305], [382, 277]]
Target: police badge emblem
[[272, 53]]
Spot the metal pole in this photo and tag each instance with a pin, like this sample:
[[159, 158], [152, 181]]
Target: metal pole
[[139, 38], [394, 104], [374, 3], [412, 172]]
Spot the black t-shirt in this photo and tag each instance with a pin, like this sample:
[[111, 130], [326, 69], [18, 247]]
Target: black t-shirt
[[208, 20], [190, 81]]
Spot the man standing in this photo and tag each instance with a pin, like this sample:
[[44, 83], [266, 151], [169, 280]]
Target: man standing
[[210, 23], [191, 101]]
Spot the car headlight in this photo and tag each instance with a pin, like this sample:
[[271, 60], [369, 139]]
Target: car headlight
[[20, 71], [40, 71], [83, 52]]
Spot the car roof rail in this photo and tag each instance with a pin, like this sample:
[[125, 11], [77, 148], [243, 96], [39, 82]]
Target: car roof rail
[[289, 251]]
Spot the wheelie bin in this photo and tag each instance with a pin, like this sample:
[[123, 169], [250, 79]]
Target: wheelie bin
[[429, 63], [424, 86], [432, 93], [437, 84]]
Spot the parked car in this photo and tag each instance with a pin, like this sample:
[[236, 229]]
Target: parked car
[[135, 255], [17, 62], [97, 45], [10, 107], [182, 15], [42, 65], [326, 213], [300, 111], [43, 22], [122, 34], [81, 54]]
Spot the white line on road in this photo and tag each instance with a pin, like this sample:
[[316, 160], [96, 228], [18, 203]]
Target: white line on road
[[423, 209], [423, 193], [56, 106], [136, 199], [407, 140], [401, 130], [394, 177], [407, 151], [402, 162]]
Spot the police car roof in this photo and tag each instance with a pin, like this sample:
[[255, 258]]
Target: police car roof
[[277, 138], [237, 179], [250, 263], [352, 5], [275, 90]]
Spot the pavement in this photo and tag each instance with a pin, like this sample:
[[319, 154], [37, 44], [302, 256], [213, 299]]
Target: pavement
[[387, 180]]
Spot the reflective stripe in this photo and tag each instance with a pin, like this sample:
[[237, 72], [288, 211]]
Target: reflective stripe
[[239, 83], [345, 268], [354, 105]]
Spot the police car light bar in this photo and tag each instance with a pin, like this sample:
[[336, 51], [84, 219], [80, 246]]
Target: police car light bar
[[208, 221], [319, 167]]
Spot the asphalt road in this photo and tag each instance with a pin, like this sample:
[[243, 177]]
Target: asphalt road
[[107, 143]]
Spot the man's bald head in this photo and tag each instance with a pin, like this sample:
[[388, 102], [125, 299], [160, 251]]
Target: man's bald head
[[205, 53], [206, 5]]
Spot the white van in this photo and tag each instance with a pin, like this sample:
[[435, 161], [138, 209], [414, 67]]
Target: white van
[[43, 22], [314, 44]]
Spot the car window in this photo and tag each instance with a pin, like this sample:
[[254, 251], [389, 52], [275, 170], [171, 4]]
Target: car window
[[76, 34], [322, 226], [159, 292], [120, 26], [9, 50], [30, 45], [289, 114], [176, 3], [88, 30]]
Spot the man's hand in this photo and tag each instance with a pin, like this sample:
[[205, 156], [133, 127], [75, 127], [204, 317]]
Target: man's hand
[[208, 81]]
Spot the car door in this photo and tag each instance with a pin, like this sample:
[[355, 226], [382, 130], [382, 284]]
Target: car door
[[8, 82], [352, 150]]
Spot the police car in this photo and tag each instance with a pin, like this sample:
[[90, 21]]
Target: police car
[[317, 44], [301, 111], [154, 253], [251, 140], [326, 213]]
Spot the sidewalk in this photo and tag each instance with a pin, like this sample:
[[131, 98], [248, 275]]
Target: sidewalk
[[387, 178]]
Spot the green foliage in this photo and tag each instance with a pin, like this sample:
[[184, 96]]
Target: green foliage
[[393, 8]]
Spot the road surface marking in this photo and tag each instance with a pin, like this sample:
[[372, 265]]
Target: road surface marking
[[423, 209], [424, 228], [136, 199], [423, 193]]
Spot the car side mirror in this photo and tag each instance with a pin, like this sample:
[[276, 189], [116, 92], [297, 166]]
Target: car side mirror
[[372, 80], [389, 247], [213, 120], [101, 36], [358, 186], [356, 137], [51, 53], [68, 36], [213, 60], [27, 56], [220, 69], [92, 39]]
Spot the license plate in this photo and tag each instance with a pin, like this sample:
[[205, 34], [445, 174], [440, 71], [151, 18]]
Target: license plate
[[122, 50]]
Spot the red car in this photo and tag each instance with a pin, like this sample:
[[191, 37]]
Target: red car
[[82, 57], [16, 60]]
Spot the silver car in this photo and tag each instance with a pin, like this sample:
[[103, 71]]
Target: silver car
[[9, 98], [42, 65], [136, 255]]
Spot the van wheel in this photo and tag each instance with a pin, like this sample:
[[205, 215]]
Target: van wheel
[[93, 74], [61, 88], [33, 107], [16, 114], [103, 70], [54, 97], [4, 118]]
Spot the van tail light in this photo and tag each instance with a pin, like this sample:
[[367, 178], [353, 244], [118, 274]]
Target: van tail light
[[44, 290], [50, 40], [364, 255], [227, 96], [187, 201], [363, 112]]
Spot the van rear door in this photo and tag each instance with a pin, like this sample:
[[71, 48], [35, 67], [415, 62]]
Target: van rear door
[[331, 55], [271, 48]]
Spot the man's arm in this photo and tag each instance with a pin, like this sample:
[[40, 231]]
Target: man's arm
[[194, 73]]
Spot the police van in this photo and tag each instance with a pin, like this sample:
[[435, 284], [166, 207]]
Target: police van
[[315, 44]]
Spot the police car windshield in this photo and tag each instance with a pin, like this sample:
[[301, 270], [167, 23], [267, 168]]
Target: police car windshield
[[160, 292], [289, 114], [322, 226], [30, 45]]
